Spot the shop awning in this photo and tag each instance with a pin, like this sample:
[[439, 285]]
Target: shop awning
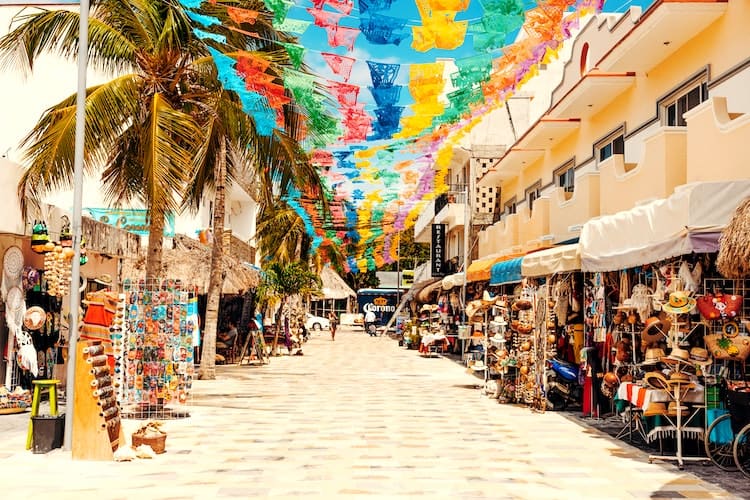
[[479, 270], [559, 259], [424, 295], [689, 221], [449, 282], [507, 271]]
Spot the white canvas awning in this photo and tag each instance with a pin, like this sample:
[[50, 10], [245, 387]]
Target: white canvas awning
[[689, 221], [560, 259]]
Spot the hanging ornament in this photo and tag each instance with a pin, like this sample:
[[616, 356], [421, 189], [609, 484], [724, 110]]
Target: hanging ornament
[[39, 237]]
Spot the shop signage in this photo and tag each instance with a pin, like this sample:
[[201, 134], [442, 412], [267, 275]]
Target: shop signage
[[382, 302], [133, 220], [437, 251]]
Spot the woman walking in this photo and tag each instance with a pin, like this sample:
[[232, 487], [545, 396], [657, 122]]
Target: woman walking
[[334, 322]]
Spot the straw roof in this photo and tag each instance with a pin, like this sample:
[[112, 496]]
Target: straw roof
[[190, 261], [334, 287], [734, 244]]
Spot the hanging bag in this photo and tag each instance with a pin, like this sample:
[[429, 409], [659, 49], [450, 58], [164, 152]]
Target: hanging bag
[[719, 306]]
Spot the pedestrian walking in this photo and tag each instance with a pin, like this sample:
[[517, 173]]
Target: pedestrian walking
[[334, 323]]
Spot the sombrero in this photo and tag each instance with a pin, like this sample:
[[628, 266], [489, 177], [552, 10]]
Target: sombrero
[[656, 380], [34, 318], [679, 303]]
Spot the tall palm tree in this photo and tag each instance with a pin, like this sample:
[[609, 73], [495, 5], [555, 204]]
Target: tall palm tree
[[282, 282]]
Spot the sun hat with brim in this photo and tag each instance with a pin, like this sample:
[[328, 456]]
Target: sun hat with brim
[[679, 303], [654, 409], [655, 330], [656, 380], [104, 279], [34, 318], [653, 356], [626, 304], [679, 377], [700, 356], [672, 409], [678, 355]]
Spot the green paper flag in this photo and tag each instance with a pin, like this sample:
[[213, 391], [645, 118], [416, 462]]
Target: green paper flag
[[296, 53]]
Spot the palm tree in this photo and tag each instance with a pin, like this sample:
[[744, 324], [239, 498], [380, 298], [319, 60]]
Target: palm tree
[[152, 126], [282, 282]]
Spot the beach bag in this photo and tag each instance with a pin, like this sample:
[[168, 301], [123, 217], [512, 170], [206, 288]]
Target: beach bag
[[719, 305]]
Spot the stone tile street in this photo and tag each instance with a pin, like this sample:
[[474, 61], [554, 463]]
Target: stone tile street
[[356, 417]]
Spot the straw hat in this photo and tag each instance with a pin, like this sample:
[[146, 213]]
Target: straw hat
[[34, 318], [626, 304], [678, 355], [653, 355], [655, 330], [654, 409], [672, 409], [104, 279], [700, 356], [679, 378], [656, 380], [679, 303]]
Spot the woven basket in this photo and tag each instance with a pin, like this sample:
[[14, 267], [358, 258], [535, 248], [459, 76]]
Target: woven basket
[[723, 347], [157, 443]]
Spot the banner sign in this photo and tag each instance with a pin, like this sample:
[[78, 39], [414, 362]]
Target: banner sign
[[381, 302], [132, 220], [437, 251]]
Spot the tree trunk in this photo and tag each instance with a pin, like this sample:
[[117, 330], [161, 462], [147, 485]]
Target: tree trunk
[[155, 246], [279, 317], [207, 370]]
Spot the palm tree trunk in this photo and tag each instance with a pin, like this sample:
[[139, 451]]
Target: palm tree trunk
[[207, 370], [155, 245], [279, 317]]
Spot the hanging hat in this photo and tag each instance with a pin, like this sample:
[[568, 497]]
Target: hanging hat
[[679, 378], [104, 279], [679, 303], [700, 356], [655, 330], [626, 304], [653, 355], [34, 318], [678, 355], [656, 380]]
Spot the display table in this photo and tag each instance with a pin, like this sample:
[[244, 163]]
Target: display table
[[641, 396]]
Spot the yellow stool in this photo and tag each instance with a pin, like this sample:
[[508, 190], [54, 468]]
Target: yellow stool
[[39, 386]]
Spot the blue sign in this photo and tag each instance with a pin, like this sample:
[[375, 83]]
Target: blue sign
[[133, 220]]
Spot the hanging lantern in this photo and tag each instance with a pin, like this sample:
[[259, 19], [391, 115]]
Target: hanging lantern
[[39, 237]]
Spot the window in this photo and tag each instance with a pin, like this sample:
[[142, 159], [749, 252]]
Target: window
[[532, 194], [510, 206], [613, 144], [690, 95], [565, 176]]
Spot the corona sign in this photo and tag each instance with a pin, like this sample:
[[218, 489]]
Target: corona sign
[[382, 302]]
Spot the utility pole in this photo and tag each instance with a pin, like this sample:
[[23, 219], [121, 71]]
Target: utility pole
[[75, 295]]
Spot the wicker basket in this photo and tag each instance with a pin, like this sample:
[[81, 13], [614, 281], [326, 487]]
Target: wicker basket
[[157, 443]]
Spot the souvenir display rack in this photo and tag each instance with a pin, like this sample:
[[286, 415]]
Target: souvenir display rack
[[96, 420], [160, 331]]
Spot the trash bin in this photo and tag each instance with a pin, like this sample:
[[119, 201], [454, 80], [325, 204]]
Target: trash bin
[[48, 433]]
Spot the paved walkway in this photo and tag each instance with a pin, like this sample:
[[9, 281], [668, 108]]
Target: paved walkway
[[358, 416]]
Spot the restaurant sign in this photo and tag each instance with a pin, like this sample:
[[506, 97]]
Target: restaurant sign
[[437, 251]]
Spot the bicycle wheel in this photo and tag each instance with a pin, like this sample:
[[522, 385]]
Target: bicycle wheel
[[741, 450], [721, 454]]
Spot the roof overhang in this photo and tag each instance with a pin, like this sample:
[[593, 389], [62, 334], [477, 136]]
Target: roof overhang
[[591, 94], [661, 31], [510, 165], [548, 132]]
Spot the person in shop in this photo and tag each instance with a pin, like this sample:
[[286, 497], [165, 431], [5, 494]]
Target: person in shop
[[370, 320], [227, 338]]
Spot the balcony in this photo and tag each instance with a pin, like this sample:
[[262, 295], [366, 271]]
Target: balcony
[[570, 210], [534, 226], [716, 142], [501, 237], [451, 209], [422, 227], [662, 168]]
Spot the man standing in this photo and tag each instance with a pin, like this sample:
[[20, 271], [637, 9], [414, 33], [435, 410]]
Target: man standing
[[370, 320]]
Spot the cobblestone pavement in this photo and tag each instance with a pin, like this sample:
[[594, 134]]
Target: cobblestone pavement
[[358, 416]]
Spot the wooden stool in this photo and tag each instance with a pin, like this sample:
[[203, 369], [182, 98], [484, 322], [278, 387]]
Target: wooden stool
[[39, 386]]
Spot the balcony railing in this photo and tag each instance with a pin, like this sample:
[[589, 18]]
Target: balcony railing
[[456, 194]]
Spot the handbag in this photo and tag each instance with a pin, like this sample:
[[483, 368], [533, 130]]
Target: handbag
[[719, 305], [722, 346]]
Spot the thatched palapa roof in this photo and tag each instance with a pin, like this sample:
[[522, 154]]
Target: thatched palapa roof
[[190, 261], [734, 245], [334, 287]]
